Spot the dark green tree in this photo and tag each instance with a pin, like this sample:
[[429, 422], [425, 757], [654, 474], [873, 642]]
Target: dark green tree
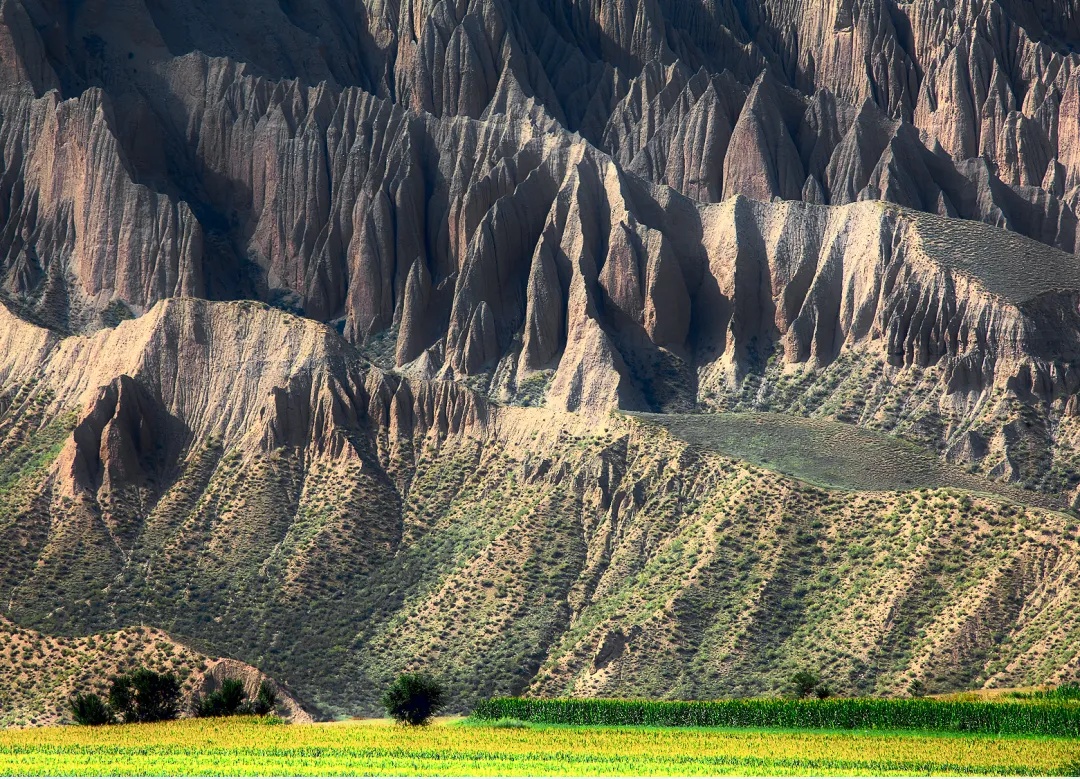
[[413, 699], [89, 709], [266, 701], [804, 683], [227, 700], [145, 696]]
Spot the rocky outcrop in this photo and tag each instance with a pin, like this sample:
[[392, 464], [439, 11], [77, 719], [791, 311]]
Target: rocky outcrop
[[173, 152]]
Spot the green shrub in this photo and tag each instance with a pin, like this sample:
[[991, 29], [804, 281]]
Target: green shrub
[[89, 709], [266, 701], [413, 699], [145, 696], [803, 684], [227, 700]]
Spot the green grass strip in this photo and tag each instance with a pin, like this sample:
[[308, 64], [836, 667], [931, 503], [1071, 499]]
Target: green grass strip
[[923, 714]]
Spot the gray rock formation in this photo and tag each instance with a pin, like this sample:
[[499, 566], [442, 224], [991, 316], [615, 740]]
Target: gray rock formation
[[433, 211]]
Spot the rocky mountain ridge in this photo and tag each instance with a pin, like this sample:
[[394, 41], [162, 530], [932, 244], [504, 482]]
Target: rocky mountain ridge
[[241, 173]]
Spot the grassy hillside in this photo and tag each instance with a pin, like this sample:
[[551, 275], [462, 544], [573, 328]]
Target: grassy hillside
[[624, 563], [833, 454], [39, 674]]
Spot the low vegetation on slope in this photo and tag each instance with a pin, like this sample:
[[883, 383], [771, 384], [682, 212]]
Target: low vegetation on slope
[[335, 526], [39, 674], [832, 454], [625, 563]]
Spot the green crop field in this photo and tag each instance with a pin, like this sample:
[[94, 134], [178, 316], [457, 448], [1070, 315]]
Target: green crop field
[[252, 747], [1031, 717]]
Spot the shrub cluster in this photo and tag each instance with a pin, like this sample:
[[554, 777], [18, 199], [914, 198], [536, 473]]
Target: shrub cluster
[[806, 683], [231, 699], [146, 696], [141, 696], [831, 714]]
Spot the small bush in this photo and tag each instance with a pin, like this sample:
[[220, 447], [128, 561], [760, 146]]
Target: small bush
[[226, 701], [145, 696], [804, 683], [413, 699], [266, 701], [89, 709]]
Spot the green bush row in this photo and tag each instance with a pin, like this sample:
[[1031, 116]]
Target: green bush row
[[831, 714]]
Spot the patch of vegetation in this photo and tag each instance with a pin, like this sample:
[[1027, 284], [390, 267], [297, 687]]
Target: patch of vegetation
[[1065, 692], [145, 696], [835, 714], [413, 699], [533, 390], [830, 454], [116, 312], [90, 709], [231, 699]]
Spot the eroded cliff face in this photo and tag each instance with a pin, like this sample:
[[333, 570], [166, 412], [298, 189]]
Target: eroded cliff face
[[466, 190], [960, 108], [428, 215], [244, 478]]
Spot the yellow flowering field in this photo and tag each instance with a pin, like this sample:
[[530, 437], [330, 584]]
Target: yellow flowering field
[[249, 746]]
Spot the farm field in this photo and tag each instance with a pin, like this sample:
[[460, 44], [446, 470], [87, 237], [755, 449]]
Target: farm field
[[249, 746], [1019, 717]]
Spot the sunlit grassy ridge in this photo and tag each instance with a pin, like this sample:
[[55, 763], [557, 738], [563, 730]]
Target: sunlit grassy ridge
[[253, 747], [832, 454]]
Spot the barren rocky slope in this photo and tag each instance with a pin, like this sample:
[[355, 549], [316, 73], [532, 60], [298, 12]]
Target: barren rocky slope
[[243, 478], [447, 240]]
